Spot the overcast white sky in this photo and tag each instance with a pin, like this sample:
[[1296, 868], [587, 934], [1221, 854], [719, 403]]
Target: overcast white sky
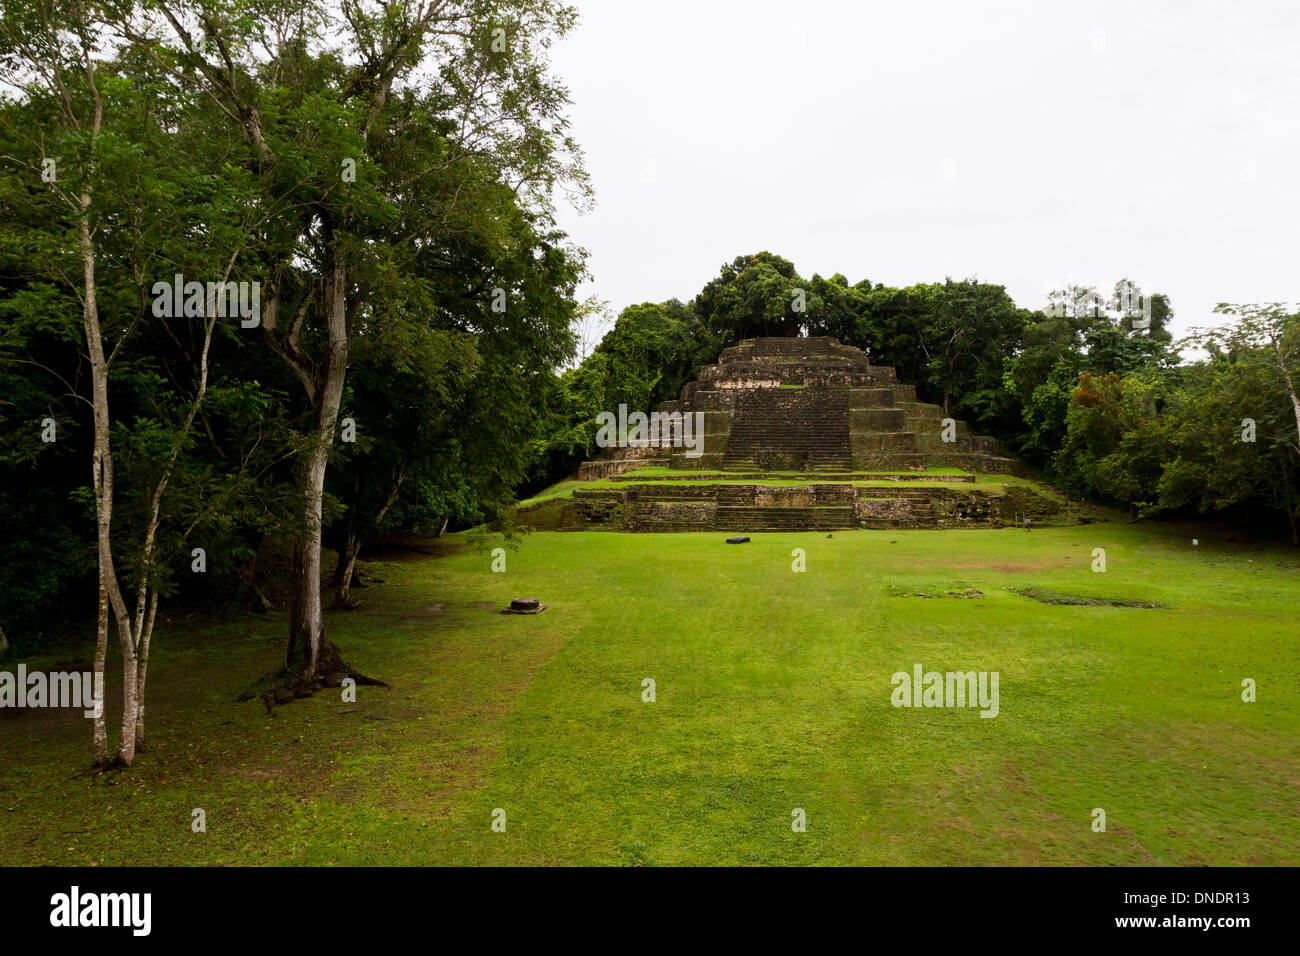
[[1021, 143]]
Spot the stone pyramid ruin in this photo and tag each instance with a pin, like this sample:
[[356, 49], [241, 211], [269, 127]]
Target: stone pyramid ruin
[[799, 434], [809, 404]]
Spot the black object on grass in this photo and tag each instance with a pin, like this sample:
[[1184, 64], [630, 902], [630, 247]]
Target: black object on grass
[[524, 606]]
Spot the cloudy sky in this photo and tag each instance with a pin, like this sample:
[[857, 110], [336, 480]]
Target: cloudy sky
[[1027, 144]]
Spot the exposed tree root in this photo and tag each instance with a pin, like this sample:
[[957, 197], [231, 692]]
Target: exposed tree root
[[289, 686]]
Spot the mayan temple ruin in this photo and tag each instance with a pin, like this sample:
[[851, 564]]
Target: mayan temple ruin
[[799, 434]]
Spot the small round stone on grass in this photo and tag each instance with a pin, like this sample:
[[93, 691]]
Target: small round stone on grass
[[524, 606]]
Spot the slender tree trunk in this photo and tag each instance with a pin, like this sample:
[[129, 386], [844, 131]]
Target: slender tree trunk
[[126, 749], [142, 672], [102, 456], [99, 732], [345, 563], [132, 636], [4, 641], [307, 628], [310, 653], [103, 484], [345, 569]]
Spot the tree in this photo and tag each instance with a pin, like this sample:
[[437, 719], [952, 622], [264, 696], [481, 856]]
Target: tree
[[1122, 332], [952, 340], [755, 295], [643, 361], [1042, 375], [1115, 442], [447, 390], [408, 390], [410, 113], [1275, 326], [834, 307], [114, 152], [967, 330], [652, 351], [1237, 439]]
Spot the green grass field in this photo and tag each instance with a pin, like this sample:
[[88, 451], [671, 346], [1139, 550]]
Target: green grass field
[[772, 693]]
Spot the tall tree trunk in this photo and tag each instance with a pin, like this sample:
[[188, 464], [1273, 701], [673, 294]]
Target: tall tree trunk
[[102, 454], [130, 633], [310, 654], [102, 468], [307, 628], [103, 485]]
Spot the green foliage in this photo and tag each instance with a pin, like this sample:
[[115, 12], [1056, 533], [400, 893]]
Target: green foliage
[[1113, 447], [643, 361], [1236, 435], [652, 351], [1216, 437], [451, 200], [755, 295]]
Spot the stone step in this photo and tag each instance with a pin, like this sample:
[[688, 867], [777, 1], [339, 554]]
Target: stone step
[[816, 467], [900, 491], [790, 442], [782, 519], [757, 477]]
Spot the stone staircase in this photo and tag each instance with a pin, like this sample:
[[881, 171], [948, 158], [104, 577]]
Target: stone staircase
[[754, 518], [918, 502], [923, 513], [794, 428]]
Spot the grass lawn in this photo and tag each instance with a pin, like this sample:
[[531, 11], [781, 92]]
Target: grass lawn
[[773, 693]]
